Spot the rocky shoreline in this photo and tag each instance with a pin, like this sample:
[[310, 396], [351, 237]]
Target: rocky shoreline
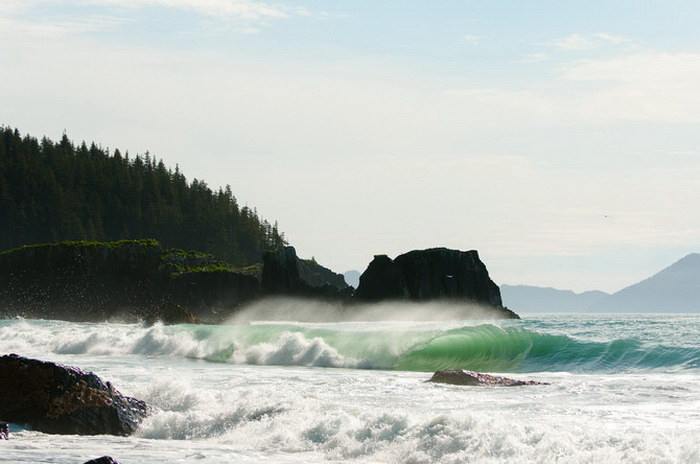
[[134, 280]]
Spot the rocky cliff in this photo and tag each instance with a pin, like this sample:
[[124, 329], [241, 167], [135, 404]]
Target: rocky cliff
[[128, 279], [140, 280], [283, 273], [432, 274]]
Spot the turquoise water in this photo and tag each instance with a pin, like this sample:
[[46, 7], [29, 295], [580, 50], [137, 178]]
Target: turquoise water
[[571, 343]]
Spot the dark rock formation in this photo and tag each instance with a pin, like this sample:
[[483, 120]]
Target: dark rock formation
[[52, 398], [138, 280], [4, 431], [280, 273], [316, 275], [433, 274], [471, 378], [285, 274], [383, 280], [103, 460], [212, 295], [439, 273], [128, 280]]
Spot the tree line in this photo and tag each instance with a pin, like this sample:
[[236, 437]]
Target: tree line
[[51, 191]]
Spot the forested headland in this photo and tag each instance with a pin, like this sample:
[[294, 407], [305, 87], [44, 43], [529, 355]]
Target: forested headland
[[52, 191]]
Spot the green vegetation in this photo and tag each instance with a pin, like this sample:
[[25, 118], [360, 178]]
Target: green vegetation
[[57, 191], [85, 243], [174, 260]]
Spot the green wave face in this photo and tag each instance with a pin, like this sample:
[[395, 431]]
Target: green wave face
[[483, 348], [497, 349]]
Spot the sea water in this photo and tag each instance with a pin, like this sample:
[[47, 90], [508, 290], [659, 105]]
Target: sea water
[[623, 388]]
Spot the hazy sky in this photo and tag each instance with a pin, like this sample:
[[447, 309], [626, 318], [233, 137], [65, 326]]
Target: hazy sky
[[559, 138]]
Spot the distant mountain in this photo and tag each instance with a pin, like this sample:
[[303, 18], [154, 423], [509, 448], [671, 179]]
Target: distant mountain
[[352, 278], [524, 298], [674, 289]]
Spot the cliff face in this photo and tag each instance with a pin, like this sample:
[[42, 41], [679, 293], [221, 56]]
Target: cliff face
[[383, 280], [80, 280], [439, 273], [432, 274], [283, 273], [138, 279], [93, 281]]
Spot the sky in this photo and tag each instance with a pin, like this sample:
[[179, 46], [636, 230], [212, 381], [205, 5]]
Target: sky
[[558, 138]]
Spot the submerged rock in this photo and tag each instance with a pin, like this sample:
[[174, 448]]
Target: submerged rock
[[4, 431], [471, 378], [103, 460], [52, 398]]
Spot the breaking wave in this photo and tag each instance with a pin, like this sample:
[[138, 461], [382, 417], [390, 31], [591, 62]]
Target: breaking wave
[[484, 347]]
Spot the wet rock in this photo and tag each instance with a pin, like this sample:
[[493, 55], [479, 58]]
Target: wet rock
[[4, 431], [471, 378], [171, 314], [52, 398], [103, 460]]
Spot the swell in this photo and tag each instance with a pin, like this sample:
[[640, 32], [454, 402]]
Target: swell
[[483, 347], [511, 349]]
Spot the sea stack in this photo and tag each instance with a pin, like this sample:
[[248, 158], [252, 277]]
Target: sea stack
[[429, 275]]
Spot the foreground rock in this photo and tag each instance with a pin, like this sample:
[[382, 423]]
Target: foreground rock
[[471, 378], [429, 275], [4, 431], [103, 460], [52, 398]]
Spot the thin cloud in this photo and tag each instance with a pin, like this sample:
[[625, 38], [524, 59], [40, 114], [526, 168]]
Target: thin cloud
[[534, 58], [242, 9], [472, 39], [587, 42], [652, 86]]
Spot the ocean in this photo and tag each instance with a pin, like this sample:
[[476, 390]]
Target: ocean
[[623, 388]]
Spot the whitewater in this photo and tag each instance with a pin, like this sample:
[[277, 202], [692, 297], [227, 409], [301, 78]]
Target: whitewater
[[623, 388]]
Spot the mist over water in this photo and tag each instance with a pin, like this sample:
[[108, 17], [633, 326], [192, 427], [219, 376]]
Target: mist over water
[[305, 310]]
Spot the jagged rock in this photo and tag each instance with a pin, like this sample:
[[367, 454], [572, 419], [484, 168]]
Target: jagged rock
[[4, 431], [439, 273], [471, 378], [280, 274], [432, 274], [383, 280], [103, 460], [316, 275], [52, 398], [284, 273]]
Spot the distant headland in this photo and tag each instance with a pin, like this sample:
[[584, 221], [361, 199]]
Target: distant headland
[[141, 280]]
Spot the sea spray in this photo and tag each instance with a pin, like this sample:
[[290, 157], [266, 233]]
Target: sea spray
[[506, 347]]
